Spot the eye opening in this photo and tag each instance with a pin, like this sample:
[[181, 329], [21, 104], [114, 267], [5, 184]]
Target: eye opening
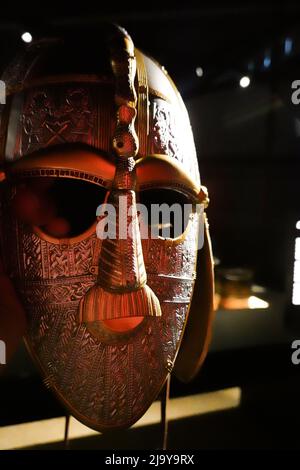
[[57, 207], [172, 220]]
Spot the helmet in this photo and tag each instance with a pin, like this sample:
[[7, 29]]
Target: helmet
[[87, 127]]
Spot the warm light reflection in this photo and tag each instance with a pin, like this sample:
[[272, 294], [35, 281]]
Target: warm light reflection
[[51, 431], [234, 303], [123, 324], [256, 302]]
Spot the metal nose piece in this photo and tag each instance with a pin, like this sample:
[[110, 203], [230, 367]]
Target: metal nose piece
[[121, 290]]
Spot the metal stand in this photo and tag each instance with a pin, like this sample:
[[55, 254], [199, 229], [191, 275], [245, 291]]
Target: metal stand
[[164, 399], [66, 437], [164, 412]]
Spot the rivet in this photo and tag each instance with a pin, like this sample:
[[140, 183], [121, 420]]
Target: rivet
[[169, 365]]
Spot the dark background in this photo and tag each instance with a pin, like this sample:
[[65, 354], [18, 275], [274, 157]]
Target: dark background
[[248, 143]]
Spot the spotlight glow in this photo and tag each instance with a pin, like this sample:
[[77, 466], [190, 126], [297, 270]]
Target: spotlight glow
[[267, 62], [199, 72], [244, 81], [288, 46], [26, 37]]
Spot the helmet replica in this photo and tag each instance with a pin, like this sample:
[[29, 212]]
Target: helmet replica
[[109, 318]]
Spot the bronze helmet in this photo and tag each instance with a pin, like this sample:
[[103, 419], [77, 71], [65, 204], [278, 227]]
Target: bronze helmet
[[108, 319]]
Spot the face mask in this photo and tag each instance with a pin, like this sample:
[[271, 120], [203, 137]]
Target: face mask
[[89, 147]]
